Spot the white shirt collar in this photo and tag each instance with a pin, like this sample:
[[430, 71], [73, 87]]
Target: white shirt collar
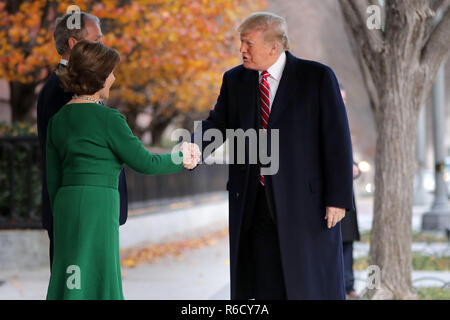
[[63, 62], [276, 70]]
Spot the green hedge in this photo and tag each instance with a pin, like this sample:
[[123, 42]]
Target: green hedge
[[17, 129], [23, 137]]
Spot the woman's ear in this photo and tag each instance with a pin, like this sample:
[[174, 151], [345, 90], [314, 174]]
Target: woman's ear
[[72, 42]]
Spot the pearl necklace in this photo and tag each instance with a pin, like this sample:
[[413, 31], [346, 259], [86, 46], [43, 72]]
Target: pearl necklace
[[86, 98]]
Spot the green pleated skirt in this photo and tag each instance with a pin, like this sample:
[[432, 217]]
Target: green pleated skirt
[[86, 262]]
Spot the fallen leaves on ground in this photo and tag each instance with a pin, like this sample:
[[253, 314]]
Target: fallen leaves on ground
[[131, 258]]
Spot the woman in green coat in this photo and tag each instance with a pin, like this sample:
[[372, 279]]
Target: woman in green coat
[[87, 144]]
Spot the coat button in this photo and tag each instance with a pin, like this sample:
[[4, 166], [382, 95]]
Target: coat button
[[237, 194]]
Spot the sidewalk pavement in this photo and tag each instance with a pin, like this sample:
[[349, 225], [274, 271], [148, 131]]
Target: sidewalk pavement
[[200, 274], [195, 274]]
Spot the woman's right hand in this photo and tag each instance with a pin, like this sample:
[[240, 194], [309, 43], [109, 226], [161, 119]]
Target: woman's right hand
[[191, 155]]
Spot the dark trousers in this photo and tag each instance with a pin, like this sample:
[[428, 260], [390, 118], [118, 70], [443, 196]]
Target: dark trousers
[[50, 237], [348, 266], [263, 253]]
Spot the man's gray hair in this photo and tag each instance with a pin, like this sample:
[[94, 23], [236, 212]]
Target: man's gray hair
[[273, 26], [62, 33]]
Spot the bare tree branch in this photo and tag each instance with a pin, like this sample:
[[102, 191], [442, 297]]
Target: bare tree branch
[[354, 12], [367, 45], [406, 25], [437, 47], [436, 4]]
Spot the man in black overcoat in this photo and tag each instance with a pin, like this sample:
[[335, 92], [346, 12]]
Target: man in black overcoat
[[285, 235]]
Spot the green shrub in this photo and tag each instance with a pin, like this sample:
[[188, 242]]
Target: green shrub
[[17, 129], [433, 293], [419, 262], [25, 160]]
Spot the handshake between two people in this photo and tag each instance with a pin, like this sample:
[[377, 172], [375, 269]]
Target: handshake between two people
[[191, 155]]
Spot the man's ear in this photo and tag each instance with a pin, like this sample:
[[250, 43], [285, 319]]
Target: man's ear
[[72, 42], [275, 48]]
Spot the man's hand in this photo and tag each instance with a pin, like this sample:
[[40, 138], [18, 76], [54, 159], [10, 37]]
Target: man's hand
[[334, 215], [191, 155], [356, 172]]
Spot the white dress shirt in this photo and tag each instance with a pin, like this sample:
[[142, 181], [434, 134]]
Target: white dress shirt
[[275, 71]]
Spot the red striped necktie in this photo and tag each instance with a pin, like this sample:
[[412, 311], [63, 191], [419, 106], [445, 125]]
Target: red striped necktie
[[264, 102]]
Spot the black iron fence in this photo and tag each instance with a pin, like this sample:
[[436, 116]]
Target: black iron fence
[[20, 183], [144, 189]]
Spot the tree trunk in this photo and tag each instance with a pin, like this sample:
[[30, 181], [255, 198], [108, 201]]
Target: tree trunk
[[390, 243], [157, 128], [398, 64], [131, 116], [163, 115], [22, 99]]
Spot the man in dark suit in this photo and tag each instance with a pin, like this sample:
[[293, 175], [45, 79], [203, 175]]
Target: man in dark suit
[[52, 98], [285, 236]]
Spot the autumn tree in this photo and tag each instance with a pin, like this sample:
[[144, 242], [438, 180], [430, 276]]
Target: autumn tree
[[399, 63], [27, 52], [173, 52], [174, 55]]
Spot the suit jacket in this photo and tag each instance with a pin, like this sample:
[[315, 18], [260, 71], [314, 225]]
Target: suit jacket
[[51, 98], [315, 171]]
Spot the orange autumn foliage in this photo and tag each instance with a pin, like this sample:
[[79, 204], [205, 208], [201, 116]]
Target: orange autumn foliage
[[172, 52]]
